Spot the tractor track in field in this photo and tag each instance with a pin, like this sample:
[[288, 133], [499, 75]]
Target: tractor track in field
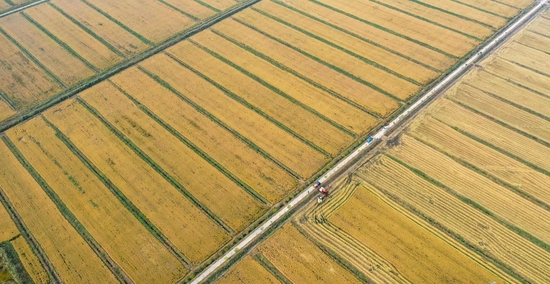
[[29, 113], [367, 150]]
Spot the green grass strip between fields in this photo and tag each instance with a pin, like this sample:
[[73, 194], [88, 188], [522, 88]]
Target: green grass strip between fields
[[208, 6], [356, 35], [252, 107], [295, 73], [29, 238], [501, 123], [472, 246], [9, 101], [88, 30], [276, 90], [126, 202], [427, 20], [347, 51], [194, 147], [272, 269], [323, 62], [486, 174], [453, 14], [128, 29], [33, 59], [386, 29], [180, 11], [156, 167], [10, 2], [480, 9], [68, 215], [59, 41], [218, 121], [526, 235], [520, 85]]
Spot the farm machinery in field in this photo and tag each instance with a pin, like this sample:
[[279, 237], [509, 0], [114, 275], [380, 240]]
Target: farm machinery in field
[[322, 190]]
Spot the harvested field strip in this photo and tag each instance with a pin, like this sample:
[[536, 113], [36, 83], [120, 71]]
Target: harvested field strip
[[334, 81], [172, 212], [356, 75], [95, 206], [248, 271], [120, 24], [346, 116], [527, 57], [135, 128], [503, 113], [30, 261], [370, 52], [22, 79], [459, 10], [89, 31], [306, 126], [219, 5], [37, 259], [118, 194], [433, 37], [160, 170], [73, 37], [492, 133], [416, 253], [192, 8], [66, 67], [69, 215], [119, 37], [271, 269], [484, 159], [472, 228], [540, 27], [476, 190], [519, 76], [151, 19], [438, 18], [299, 260], [290, 33], [510, 93], [534, 41], [367, 32], [292, 152], [52, 233], [59, 42], [255, 77], [271, 181], [492, 7]]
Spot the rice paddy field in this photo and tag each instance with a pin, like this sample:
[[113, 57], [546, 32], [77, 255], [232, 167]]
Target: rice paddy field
[[461, 196], [149, 175]]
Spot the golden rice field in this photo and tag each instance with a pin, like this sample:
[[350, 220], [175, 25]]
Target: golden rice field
[[154, 172], [462, 196]]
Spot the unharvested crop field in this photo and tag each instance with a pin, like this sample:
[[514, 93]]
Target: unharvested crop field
[[152, 173], [461, 196]]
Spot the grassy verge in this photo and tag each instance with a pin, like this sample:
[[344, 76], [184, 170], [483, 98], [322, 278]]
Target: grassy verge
[[323, 62], [475, 205], [275, 89], [11, 262], [133, 209], [156, 167], [219, 122], [68, 214], [194, 147], [11, 103], [251, 107]]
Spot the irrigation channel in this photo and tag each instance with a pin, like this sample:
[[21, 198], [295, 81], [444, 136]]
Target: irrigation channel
[[347, 164]]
